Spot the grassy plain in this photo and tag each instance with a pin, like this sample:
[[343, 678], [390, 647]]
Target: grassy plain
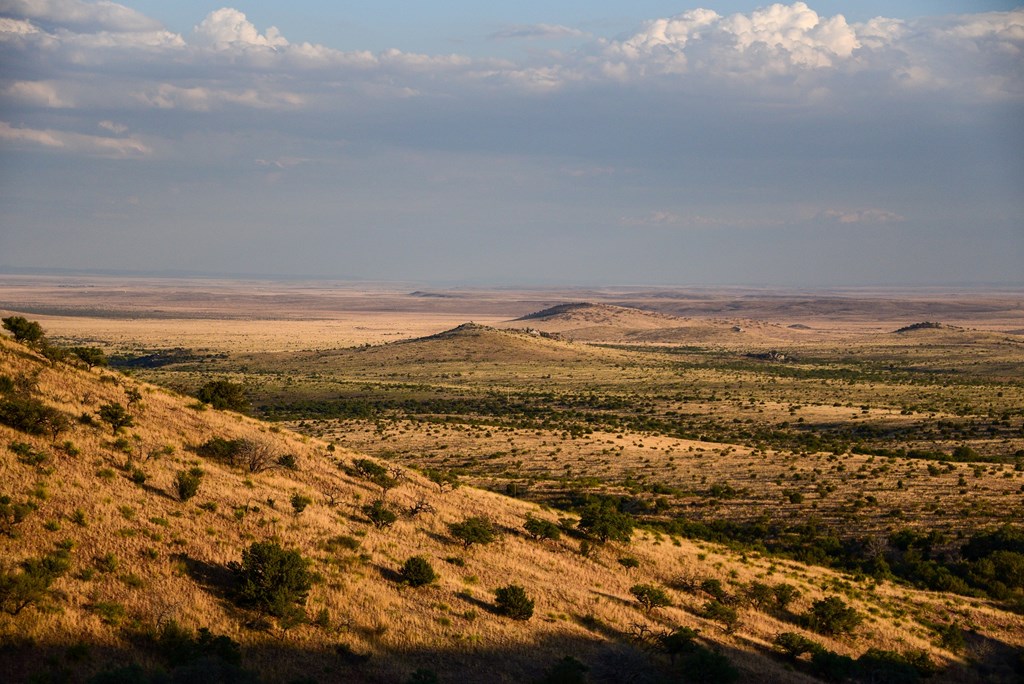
[[801, 422]]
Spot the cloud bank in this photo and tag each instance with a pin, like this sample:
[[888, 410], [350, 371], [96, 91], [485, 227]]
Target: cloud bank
[[781, 118]]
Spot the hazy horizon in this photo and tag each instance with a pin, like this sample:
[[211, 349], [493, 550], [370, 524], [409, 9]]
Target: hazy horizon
[[813, 145]]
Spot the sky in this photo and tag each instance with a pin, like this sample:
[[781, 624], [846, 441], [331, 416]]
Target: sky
[[818, 144]]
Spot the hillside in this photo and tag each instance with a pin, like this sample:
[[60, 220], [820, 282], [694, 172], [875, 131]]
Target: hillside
[[146, 571], [596, 322]]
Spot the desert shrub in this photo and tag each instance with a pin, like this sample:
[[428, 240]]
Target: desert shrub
[[186, 483], [832, 616], [760, 595], [375, 473], [785, 594], [512, 601], [629, 562], [710, 667], [30, 584], [288, 461], [12, 514], [24, 330], [892, 667], [714, 589], [417, 572], [220, 449], [473, 530], [951, 637], [179, 645], [444, 479], [568, 670], [223, 394], [727, 615], [32, 416], [90, 356], [256, 455], [650, 597], [538, 528], [832, 666], [603, 521], [272, 579], [680, 640], [380, 514], [116, 416], [6, 384], [794, 645], [27, 454], [300, 502]]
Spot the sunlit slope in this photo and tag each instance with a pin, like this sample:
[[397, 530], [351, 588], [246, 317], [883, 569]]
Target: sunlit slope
[[141, 557]]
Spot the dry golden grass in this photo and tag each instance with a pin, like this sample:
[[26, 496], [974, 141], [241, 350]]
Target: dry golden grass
[[163, 547]]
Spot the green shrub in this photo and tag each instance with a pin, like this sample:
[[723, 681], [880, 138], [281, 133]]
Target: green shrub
[[116, 416], [31, 416], [380, 514], [650, 596], [186, 483], [832, 616], [629, 562], [300, 502], [794, 645], [272, 579], [603, 521], [223, 394], [707, 666], [512, 601], [538, 528], [418, 572], [727, 615], [24, 330], [568, 670], [31, 584], [473, 530], [12, 514]]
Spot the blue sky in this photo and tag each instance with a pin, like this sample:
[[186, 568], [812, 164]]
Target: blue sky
[[819, 144]]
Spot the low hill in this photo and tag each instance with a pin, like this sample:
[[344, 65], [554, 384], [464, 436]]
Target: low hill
[[590, 322], [107, 564]]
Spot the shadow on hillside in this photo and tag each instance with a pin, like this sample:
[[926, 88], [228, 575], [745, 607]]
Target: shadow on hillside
[[213, 577], [378, 658]]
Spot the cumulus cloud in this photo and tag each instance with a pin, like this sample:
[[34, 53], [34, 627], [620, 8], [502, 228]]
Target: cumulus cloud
[[537, 32], [229, 27], [73, 142]]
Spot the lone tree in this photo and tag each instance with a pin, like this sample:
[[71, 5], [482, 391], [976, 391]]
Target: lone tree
[[473, 530], [272, 580], [224, 394], [24, 330], [650, 596], [832, 616], [186, 483], [604, 521], [418, 572], [380, 514], [538, 528], [116, 416], [513, 602], [90, 356]]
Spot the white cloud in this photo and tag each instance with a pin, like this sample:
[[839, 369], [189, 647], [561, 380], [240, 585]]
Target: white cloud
[[74, 142], [228, 27], [38, 94], [772, 40], [203, 99], [537, 32], [866, 216], [113, 127], [101, 15]]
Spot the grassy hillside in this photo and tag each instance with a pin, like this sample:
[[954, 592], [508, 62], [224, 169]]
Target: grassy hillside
[[104, 565]]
